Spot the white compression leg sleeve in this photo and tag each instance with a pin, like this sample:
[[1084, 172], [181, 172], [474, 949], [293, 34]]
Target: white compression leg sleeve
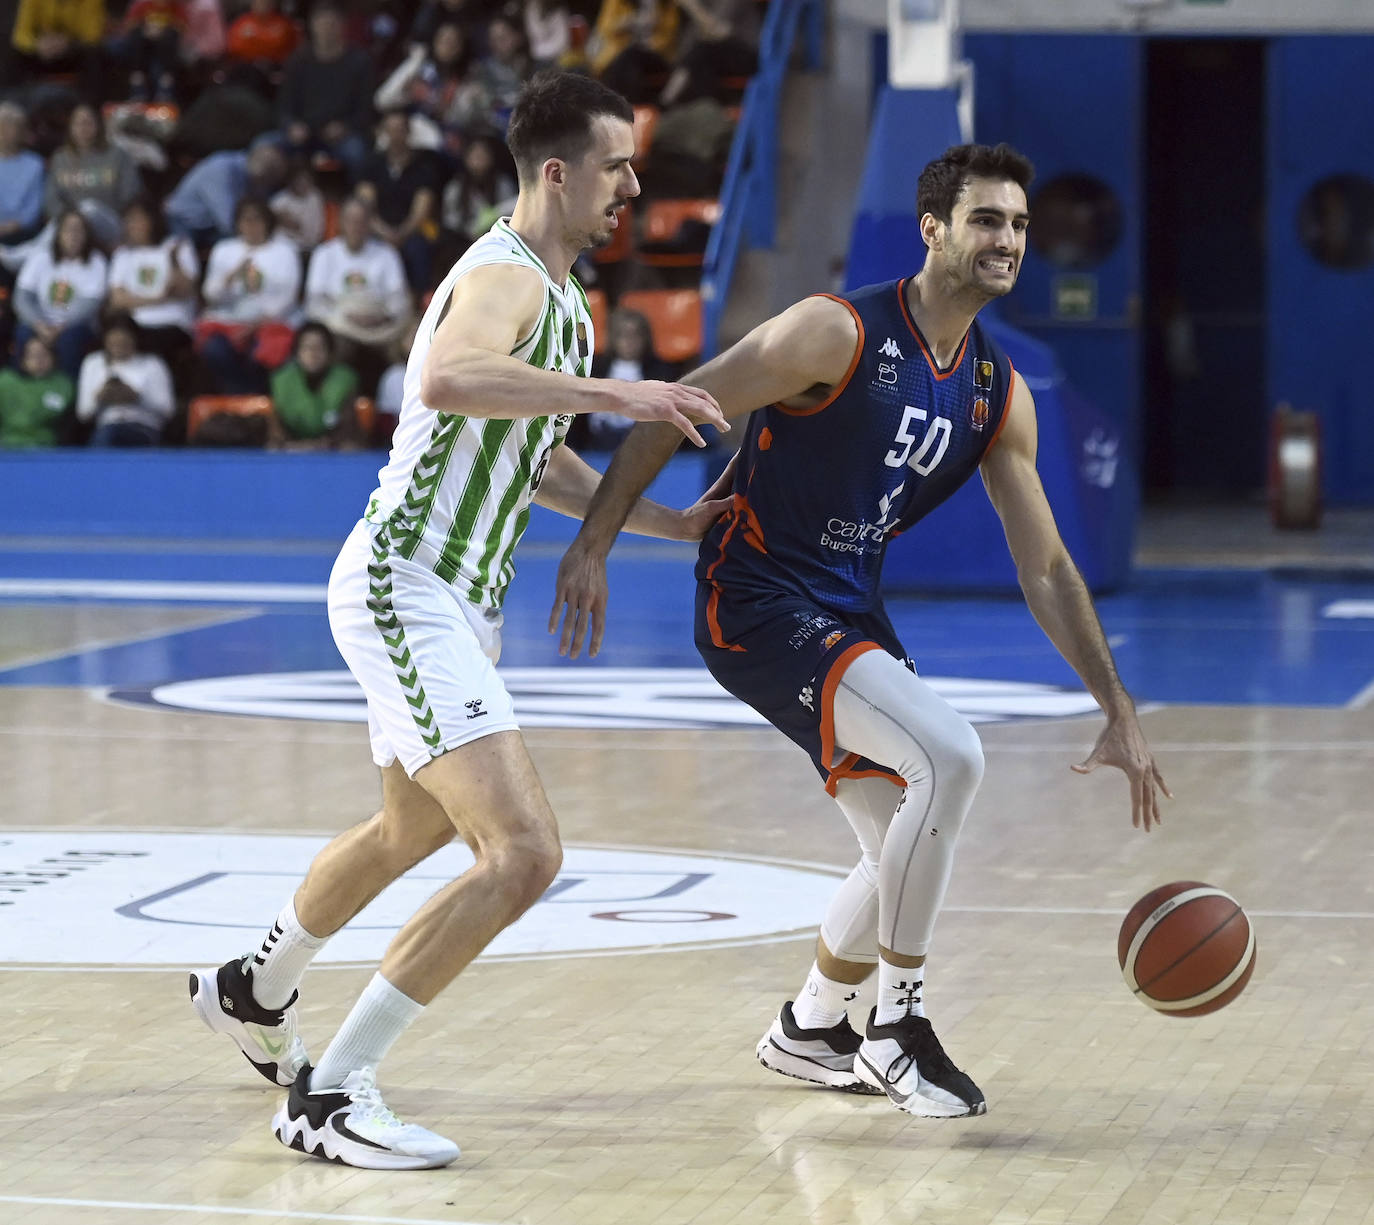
[[850, 926], [887, 713]]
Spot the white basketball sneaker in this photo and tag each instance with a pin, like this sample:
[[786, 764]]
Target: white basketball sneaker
[[353, 1126], [905, 1060], [223, 999], [820, 1056]]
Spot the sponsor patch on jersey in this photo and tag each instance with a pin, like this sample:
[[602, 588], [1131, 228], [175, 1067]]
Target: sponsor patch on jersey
[[581, 340], [982, 375], [979, 413], [831, 639]]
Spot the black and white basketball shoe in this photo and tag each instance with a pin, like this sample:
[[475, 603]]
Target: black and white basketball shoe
[[905, 1060], [267, 1037], [353, 1126], [821, 1056]]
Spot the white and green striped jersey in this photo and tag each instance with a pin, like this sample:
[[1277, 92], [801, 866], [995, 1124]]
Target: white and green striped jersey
[[456, 491]]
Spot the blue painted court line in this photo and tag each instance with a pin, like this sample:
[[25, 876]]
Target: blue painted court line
[[1195, 636]]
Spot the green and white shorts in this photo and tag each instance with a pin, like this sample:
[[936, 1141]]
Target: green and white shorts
[[424, 656]]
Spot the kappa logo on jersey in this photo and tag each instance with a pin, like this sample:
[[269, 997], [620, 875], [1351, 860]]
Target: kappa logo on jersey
[[887, 372], [889, 349], [979, 414], [982, 375], [807, 697]]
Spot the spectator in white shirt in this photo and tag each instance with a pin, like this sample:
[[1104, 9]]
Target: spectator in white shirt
[[125, 393], [59, 291], [356, 287], [153, 278], [251, 285]]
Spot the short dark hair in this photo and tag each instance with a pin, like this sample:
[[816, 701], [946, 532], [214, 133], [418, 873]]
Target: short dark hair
[[943, 181], [121, 321], [253, 203], [313, 328], [554, 116], [157, 223]]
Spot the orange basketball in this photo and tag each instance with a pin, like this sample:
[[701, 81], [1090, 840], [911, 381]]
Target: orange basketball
[[1186, 949]]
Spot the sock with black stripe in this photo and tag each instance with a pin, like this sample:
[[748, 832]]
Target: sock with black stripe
[[280, 963]]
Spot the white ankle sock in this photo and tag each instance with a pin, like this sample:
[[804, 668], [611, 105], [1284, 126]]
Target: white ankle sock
[[901, 992], [279, 965], [820, 1003], [380, 1016]]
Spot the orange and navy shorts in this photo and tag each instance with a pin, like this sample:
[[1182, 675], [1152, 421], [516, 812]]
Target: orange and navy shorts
[[784, 655]]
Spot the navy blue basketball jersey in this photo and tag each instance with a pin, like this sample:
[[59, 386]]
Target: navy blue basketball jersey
[[819, 492]]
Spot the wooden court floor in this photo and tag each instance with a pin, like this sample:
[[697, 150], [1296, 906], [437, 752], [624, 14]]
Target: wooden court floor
[[623, 1090]]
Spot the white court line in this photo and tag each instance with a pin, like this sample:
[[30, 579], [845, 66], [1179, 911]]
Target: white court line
[[1349, 609], [807, 934], [208, 621], [610, 737], [147, 589], [1362, 699], [142, 1206]]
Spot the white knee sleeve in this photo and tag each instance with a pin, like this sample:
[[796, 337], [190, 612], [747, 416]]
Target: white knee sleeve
[[850, 926], [891, 716]]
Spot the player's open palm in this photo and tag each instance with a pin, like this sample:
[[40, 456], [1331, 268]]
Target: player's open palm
[[1122, 744], [682, 407]]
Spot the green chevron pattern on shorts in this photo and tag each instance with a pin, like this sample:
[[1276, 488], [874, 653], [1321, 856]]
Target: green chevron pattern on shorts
[[428, 474], [379, 591]]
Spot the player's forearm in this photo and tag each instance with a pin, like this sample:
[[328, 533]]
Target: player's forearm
[[617, 503], [570, 484], [479, 383], [1060, 603]]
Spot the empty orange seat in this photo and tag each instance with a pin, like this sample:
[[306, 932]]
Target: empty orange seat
[[663, 228], [202, 408], [365, 414], [674, 318]]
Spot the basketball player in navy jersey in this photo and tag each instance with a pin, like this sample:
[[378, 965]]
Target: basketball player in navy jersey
[[872, 409]]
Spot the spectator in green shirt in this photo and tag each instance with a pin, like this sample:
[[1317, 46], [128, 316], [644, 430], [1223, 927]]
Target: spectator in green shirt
[[313, 395], [35, 399]]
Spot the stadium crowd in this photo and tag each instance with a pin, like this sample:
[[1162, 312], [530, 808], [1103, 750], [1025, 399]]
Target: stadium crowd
[[230, 202]]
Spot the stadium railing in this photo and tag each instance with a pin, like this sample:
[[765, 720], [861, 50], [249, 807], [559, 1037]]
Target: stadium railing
[[748, 197]]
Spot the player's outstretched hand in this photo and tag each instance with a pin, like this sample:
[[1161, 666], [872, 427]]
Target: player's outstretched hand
[[1122, 744], [579, 599], [682, 407], [698, 518]]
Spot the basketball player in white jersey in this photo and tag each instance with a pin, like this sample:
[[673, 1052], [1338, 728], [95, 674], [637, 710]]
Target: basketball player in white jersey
[[499, 366]]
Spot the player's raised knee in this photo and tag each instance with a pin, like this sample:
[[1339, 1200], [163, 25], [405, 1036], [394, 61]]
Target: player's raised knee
[[962, 752], [528, 863]]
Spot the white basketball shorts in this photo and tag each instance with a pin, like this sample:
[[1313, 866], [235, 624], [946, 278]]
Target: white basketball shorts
[[424, 656]]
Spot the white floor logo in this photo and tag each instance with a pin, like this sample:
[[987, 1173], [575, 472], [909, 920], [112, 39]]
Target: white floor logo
[[149, 899], [670, 698]]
